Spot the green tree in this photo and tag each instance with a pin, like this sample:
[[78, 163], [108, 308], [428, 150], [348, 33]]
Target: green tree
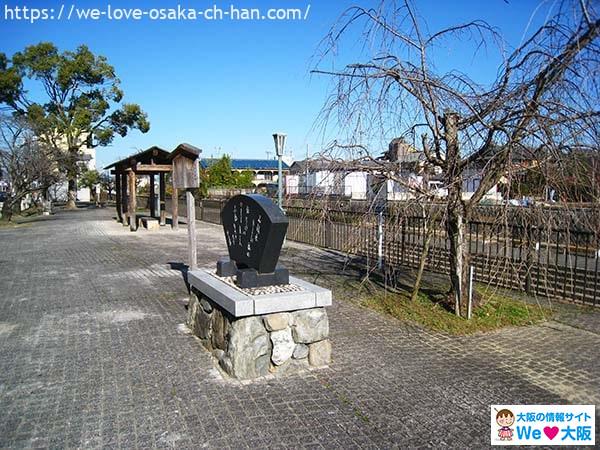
[[80, 104], [108, 183], [89, 179], [244, 179], [220, 173]]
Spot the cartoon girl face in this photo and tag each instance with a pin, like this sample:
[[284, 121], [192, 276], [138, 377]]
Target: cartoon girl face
[[505, 418]]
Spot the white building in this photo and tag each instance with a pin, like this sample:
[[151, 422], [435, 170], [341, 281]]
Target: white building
[[370, 179], [324, 177]]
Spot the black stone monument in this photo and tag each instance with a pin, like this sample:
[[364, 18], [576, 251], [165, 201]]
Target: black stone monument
[[254, 229]]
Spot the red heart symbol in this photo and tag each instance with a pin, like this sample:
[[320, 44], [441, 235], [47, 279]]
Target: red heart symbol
[[551, 432]]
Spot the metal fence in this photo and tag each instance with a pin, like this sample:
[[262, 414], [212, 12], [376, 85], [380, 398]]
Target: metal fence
[[206, 210], [537, 258]]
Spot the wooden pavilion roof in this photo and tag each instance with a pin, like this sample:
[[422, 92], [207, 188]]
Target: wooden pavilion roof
[[149, 161]]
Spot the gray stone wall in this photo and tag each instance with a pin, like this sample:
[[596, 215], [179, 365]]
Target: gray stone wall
[[251, 347]]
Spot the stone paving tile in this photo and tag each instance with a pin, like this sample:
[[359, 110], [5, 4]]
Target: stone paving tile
[[91, 357]]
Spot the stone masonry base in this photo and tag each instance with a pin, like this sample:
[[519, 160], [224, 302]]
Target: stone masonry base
[[254, 346]]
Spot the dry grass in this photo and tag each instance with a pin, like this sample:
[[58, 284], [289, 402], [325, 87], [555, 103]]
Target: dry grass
[[497, 311]]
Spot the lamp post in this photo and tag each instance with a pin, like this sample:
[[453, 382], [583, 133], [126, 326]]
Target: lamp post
[[279, 139]]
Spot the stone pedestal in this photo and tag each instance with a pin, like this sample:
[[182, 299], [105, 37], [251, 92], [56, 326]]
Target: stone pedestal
[[252, 334]]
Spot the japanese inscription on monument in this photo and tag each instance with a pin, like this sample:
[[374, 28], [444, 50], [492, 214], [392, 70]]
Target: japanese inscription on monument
[[254, 230]]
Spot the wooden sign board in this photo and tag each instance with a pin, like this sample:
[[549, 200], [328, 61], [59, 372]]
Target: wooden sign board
[[186, 173]]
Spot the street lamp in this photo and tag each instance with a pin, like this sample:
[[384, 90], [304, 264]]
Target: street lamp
[[279, 139]]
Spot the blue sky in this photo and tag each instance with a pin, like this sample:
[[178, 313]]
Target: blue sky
[[226, 86]]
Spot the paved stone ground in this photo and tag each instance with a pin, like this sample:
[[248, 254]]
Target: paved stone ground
[[92, 355]]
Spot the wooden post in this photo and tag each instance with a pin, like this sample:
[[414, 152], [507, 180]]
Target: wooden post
[[152, 197], [124, 199], [175, 209], [118, 197], [185, 172], [191, 220], [161, 196], [132, 202]]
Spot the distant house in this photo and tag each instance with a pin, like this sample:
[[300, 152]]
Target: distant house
[[265, 170], [522, 160], [370, 178], [360, 180], [325, 177], [414, 172], [409, 170]]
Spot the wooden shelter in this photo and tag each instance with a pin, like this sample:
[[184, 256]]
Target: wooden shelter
[[153, 161]]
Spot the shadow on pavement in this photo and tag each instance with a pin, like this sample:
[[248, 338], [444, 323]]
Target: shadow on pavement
[[183, 268]]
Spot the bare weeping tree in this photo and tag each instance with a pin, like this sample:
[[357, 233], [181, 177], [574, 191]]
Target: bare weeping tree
[[544, 100], [31, 167]]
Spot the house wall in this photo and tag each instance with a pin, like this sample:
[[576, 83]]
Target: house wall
[[266, 176], [355, 185], [318, 182], [326, 182], [471, 183], [292, 184], [362, 185]]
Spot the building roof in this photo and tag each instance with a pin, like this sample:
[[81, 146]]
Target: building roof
[[187, 150], [339, 165], [154, 154], [247, 164], [315, 164]]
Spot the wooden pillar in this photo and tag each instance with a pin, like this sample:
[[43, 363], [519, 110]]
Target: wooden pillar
[[175, 209], [132, 202], [161, 195], [152, 197], [118, 197], [191, 220], [124, 199]]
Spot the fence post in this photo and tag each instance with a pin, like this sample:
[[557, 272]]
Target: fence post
[[403, 238], [380, 240], [530, 248], [470, 304], [327, 230]]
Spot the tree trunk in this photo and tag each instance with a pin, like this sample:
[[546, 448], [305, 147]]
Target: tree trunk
[[7, 210], [71, 194], [459, 259], [456, 217], [429, 222], [422, 262]]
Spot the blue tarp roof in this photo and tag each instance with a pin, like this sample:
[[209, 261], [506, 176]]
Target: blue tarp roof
[[247, 164]]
